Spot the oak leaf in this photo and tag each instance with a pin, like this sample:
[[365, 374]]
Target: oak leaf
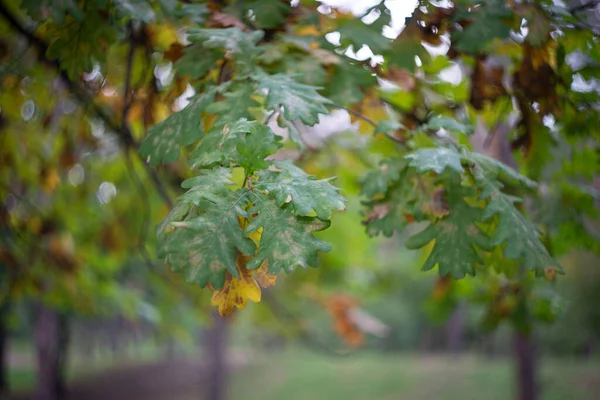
[[236, 291]]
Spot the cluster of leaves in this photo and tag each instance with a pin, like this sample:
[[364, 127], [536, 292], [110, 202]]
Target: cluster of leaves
[[473, 223], [227, 238], [256, 64], [469, 215]]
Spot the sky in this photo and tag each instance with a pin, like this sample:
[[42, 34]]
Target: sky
[[399, 9]]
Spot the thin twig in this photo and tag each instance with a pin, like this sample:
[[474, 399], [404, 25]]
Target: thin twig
[[127, 98], [584, 7], [29, 203], [267, 120], [221, 77], [369, 121], [139, 185]]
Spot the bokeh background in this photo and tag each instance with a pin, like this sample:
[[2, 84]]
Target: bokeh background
[[367, 324]]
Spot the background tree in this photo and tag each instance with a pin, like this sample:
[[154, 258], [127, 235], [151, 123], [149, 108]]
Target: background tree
[[477, 144]]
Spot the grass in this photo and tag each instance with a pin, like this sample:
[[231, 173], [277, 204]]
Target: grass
[[296, 375]]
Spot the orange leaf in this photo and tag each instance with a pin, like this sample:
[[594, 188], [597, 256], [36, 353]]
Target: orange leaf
[[264, 278], [236, 291]]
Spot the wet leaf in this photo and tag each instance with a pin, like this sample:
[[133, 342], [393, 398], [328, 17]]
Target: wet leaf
[[299, 101], [304, 192], [287, 240]]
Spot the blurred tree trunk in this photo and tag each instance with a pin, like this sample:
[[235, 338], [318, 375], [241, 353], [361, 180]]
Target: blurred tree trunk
[[526, 366], [4, 385], [51, 340], [455, 329], [215, 351], [489, 345], [499, 148]]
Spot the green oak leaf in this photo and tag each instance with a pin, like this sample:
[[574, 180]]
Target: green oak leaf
[[299, 101], [435, 159], [205, 186], [388, 127], [287, 240], [486, 24], [448, 123], [56, 10], [230, 146], [393, 196], [194, 12], [135, 9], [235, 105], [347, 83], [306, 69], [405, 47], [219, 146], [260, 143], [179, 213], [455, 235], [538, 24], [387, 216], [197, 60], [356, 33], [81, 44], [304, 192], [496, 170], [203, 247], [240, 46], [518, 235], [379, 181], [179, 129], [268, 13]]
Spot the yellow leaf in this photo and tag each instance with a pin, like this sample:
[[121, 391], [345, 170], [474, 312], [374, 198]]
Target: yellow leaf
[[236, 291], [309, 30], [373, 108], [264, 278], [255, 236], [161, 36], [50, 179]]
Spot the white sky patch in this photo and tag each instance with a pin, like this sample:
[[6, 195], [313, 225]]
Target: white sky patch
[[182, 101], [452, 74], [399, 10], [164, 73], [581, 85]]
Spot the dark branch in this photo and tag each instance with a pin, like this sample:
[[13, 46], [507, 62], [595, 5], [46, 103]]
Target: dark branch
[[584, 6], [368, 121], [86, 99], [127, 98]]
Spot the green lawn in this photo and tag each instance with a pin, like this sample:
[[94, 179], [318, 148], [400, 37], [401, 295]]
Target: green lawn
[[297, 375]]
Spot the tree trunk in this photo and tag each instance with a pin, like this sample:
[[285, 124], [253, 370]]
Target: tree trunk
[[499, 148], [215, 349], [455, 330], [526, 367], [51, 339], [4, 385]]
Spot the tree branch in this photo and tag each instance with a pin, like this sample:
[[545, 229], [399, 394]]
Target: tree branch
[[84, 98], [584, 6], [369, 121], [127, 100]]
